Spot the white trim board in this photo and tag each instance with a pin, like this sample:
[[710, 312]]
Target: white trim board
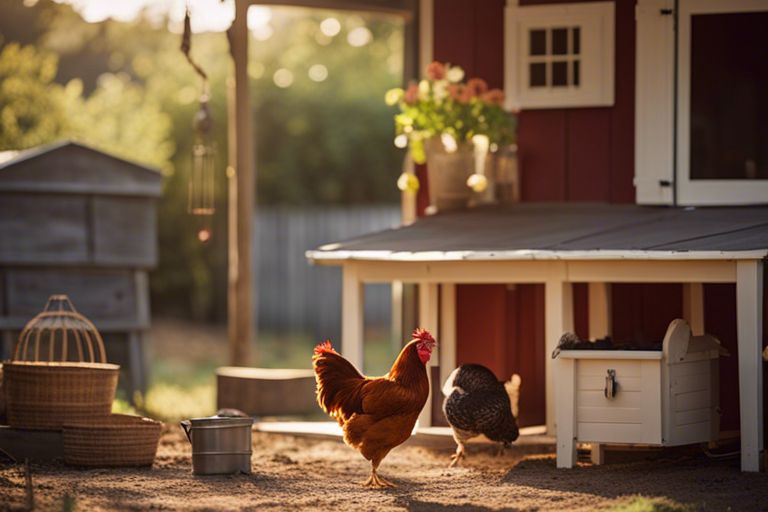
[[338, 257]]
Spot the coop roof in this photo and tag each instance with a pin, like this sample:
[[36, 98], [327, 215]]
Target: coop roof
[[530, 231], [71, 167]]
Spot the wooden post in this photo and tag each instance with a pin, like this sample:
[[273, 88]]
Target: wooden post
[[352, 301], [558, 311], [241, 194], [693, 307], [447, 341], [558, 306], [428, 319], [749, 313], [599, 303]]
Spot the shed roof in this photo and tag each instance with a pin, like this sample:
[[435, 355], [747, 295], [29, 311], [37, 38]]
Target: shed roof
[[566, 231], [72, 167]]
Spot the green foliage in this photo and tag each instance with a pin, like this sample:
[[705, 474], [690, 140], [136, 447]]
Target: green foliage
[[125, 87], [32, 106]]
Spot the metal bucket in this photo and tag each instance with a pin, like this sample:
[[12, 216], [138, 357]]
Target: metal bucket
[[220, 445]]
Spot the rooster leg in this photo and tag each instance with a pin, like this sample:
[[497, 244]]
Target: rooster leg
[[375, 480], [460, 454]]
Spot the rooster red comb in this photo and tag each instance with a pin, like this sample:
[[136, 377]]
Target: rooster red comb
[[324, 347], [422, 335]]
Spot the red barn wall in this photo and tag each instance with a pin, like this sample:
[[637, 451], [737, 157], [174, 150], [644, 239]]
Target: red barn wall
[[577, 154]]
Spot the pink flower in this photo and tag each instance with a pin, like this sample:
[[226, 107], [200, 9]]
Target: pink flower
[[466, 94], [411, 95], [436, 71], [454, 91], [495, 96], [478, 86]]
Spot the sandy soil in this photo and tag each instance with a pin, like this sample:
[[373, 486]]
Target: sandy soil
[[322, 474]]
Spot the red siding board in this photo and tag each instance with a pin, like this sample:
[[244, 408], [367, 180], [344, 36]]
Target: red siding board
[[541, 137], [481, 326], [622, 133], [720, 321], [588, 153]]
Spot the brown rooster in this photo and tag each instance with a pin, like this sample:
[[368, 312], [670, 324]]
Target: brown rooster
[[376, 414]]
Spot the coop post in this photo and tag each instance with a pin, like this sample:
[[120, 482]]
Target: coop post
[[241, 194], [599, 304], [566, 417], [447, 341], [558, 312], [693, 307], [428, 319], [749, 314], [352, 301]]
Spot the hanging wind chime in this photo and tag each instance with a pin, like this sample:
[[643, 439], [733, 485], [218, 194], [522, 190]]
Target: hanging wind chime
[[202, 176]]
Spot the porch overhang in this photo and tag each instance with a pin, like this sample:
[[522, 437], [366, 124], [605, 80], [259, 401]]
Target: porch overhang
[[560, 244]]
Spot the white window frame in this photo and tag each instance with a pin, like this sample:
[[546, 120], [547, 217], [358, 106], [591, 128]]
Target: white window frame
[[596, 62], [707, 192], [655, 178]]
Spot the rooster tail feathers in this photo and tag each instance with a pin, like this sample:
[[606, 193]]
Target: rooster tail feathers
[[324, 347], [339, 384], [512, 386]]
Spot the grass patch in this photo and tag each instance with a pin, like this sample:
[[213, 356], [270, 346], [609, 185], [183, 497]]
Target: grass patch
[[184, 358], [645, 504]]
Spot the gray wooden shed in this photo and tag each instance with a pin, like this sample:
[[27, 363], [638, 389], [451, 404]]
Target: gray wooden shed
[[78, 221]]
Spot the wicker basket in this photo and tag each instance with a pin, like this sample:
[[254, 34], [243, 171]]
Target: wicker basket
[[44, 396], [116, 440], [43, 386]]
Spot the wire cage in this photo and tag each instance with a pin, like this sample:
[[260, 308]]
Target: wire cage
[[60, 333], [59, 371]]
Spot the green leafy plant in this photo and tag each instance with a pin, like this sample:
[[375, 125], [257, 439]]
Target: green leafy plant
[[443, 105]]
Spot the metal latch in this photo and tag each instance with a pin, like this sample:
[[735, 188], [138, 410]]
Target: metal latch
[[610, 385]]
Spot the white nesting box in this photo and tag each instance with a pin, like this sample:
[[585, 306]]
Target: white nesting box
[[660, 398]]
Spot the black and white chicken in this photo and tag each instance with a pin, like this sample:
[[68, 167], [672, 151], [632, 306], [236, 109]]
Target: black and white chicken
[[476, 402]]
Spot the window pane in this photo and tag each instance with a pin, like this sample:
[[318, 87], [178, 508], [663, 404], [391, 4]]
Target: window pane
[[576, 72], [538, 74], [729, 96], [538, 42], [576, 40], [559, 41], [559, 74]]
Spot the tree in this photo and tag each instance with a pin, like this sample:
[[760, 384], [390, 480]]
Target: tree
[[32, 105]]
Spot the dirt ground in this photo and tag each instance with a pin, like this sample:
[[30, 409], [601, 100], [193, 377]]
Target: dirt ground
[[310, 473]]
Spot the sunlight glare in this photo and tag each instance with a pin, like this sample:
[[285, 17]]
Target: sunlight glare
[[330, 26], [207, 15], [258, 16], [262, 32], [283, 78], [318, 72], [359, 36]]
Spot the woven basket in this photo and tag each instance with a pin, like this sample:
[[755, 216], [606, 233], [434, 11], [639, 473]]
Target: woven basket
[[44, 396], [116, 440], [43, 387]]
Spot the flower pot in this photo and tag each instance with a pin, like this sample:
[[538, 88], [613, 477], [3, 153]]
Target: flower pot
[[447, 175]]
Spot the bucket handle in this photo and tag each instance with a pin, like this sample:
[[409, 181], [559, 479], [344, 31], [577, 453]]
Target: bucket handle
[[186, 425]]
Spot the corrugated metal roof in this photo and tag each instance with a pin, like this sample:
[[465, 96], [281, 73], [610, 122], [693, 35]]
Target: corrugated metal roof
[[567, 230]]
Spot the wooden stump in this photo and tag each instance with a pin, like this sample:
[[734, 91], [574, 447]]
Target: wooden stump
[[266, 391]]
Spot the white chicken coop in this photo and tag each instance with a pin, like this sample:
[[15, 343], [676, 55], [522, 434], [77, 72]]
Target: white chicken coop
[[639, 397]]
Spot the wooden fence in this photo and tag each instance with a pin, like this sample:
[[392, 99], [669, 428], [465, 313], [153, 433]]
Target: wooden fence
[[294, 296]]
